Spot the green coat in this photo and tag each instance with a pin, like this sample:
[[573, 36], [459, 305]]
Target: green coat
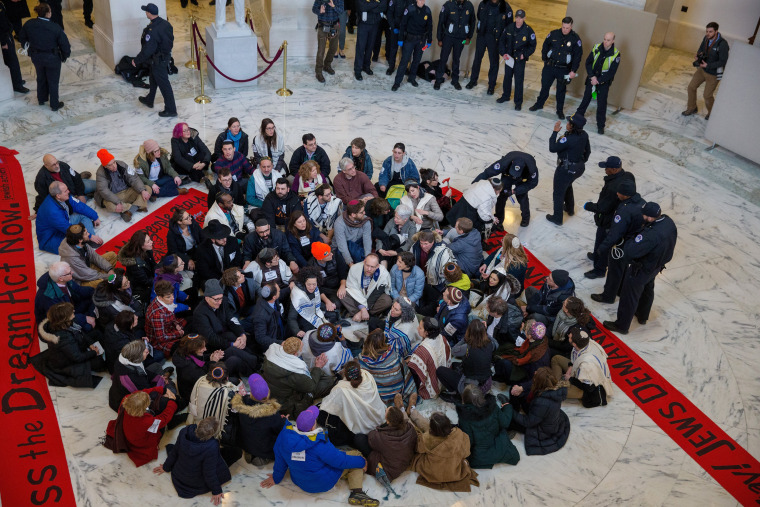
[[295, 392], [143, 167], [487, 428]]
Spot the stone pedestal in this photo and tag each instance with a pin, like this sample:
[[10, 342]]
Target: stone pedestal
[[294, 22], [6, 84], [233, 51], [118, 28]]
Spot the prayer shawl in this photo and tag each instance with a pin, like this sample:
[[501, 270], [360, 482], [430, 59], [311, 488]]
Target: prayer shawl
[[216, 213], [360, 409], [429, 355], [210, 400], [354, 283], [258, 274], [337, 354], [421, 202], [590, 366], [402, 336], [528, 352], [333, 210], [308, 308], [262, 190], [278, 356], [390, 374]]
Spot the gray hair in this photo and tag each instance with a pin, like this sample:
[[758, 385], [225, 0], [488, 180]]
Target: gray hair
[[344, 163], [408, 313], [58, 269], [133, 351], [403, 211], [55, 188]]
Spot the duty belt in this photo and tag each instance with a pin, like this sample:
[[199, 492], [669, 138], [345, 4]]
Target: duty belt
[[414, 37], [560, 65]]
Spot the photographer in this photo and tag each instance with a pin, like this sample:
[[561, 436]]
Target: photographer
[[710, 61], [328, 13]]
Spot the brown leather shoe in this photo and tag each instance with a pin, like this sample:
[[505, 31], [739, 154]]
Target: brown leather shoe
[[126, 216], [182, 191], [142, 210]]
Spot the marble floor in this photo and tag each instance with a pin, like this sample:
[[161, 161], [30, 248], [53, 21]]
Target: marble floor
[[702, 336]]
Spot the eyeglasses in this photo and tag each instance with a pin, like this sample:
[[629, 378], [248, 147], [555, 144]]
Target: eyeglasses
[[218, 299]]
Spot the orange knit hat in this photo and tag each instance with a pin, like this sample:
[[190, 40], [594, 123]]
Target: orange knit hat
[[105, 157]]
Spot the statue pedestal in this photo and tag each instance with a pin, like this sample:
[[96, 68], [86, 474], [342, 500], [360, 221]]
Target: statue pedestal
[[233, 51], [118, 28], [294, 22], [6, 84]]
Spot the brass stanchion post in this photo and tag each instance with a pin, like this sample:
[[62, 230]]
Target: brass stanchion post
[[202, 98], [284, 92], [190, 64]]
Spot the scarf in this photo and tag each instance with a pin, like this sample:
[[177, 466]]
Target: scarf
[[198, 362], [235, 139], [279, 357], [123, 360], [526, 353], [354, 223], [590, 366], [562, 323], [360, 409]]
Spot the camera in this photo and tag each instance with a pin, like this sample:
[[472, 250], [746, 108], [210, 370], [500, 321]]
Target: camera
[[699, 60]]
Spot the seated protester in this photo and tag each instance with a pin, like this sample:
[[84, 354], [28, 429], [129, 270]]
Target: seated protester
[[88, 268], [432, 186], [352, 409], [215, 253], [119, 188], [171, 269], [71, 358], [334, 271], [309, 151], [114, 295], [143, 426], [240, 293], [268, 326], [455, 278], [530, 351], [475, 351], [293, 384], [464, 242], [441, 459], [432, 352], [477, 203], [267, 268], [322, 209], [237, 163], [403, 229], [162, 327], [453, 315], [367, 288], [153, 166], [393, 444], [504, 320], [322, 466], [574, 313], [137, 256], [119, 332], [261, 183], [400, 327], [357, 152], [431, 255], [307, 305], [278, 205], [546, 302], [54, 170], [378, 210], [511, 258], [267, 143], [353, 233], [226, 212], [307, 179], [301, 235], [214, 320], [267, 236], [190, 155], [426, 212], [193, 361], [183, 236], [225, 184], [407, 280], [57, 286], [57, 212], [485, 421], [385, 365], [397, 169], [130, 374], [352, 185], [327, 341], [545, 425], [259, 422], [233, 133], [196, 465], [586, 369], [498, 285]]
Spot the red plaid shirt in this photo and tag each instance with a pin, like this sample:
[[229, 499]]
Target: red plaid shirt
[[161, 327]]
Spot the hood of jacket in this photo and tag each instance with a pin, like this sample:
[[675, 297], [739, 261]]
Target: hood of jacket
[[45, 335], [395, 436], [474, 413], [457, 443], [193, 445], [295, 441], [556, 395], [254, 409]]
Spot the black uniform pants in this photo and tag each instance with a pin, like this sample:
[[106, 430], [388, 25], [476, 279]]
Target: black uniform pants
[[548, 75], [48, 67], [601, 259], [615, 273], [159, 78], [365, 38], [11, 60], [522, 200], [563, 195], [391, 44], [518, 71], [87, 10], [412, 49], [450, 45], [482, 43], [601, 103], [636, 296]]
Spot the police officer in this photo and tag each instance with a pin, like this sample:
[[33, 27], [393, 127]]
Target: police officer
[[601, 66], [369, 20], [157, 42], [48, 47], [573, 150], [517, 43], [648, 252], [87, 13], [456, 26], [9, 52], [389, 25], [561, 53], [493, 17], [519, 175], [415, 36], [604, 209]]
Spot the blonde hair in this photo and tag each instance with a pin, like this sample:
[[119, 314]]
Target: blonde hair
[[511, 256], [305, 170], [136, 403]]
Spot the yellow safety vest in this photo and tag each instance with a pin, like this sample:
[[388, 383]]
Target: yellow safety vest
[[607, 61]]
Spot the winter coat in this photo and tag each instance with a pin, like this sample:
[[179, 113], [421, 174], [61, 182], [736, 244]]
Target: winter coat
[[260, 423], [548, 301], [143, 443], [367, 169], [175, 242], [67, 360], [243, 144], [277, 211], [415, 283], [196, 466], [301, 252], [188, 372], [217, 326], [468, 252], [236, 190], [142, 166], [487, 428], [80, 271], [547, 427], [53, 221], [252, 245], [408, 171], [44, 178], [294, 391], [300, 156], [127, 379], [103, 183], [349, 189], [268, 326], [181, 158], [49, 294], [113, 341], [454, 322], [441, 462], [392, 447], [140, 272]]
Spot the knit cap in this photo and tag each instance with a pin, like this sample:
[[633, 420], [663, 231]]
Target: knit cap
[[259, 387], [307, 418], [104, 156]]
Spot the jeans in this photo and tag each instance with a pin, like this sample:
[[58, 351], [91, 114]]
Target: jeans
[[166, 186], [89, 186], [343, 18], [76, 218]]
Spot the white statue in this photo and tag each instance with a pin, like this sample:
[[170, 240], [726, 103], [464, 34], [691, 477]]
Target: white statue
[[221, 14]]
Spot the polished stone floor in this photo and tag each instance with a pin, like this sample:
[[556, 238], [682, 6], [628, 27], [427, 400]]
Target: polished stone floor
[[702, 336]]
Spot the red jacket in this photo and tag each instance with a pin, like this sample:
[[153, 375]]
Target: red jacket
[[143, 444], [161, 327]]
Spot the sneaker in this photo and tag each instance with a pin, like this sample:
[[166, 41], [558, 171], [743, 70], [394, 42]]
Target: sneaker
[[437, 86], [329, 70], [456, 86], [599, 298], [320, 78], [471, 85], [361, 498], [126, 216], [144, 101], [394, 87], [593, 274], [689, 112], [535, 107], [502, 99], [413, 83], [167, 114]]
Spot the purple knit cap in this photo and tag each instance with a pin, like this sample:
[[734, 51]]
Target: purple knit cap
[[538, 330], [307, 418], [259, 387]]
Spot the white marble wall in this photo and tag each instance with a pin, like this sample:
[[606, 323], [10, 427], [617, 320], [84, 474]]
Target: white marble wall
[[118, 28]]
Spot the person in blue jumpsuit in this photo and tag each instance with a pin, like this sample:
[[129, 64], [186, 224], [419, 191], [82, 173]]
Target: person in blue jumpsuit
[[601, 65], [517, 42], [415, 36], [519, 175], [573, 150], [157, 42], [456, 26], [493, 17], [369, 12]]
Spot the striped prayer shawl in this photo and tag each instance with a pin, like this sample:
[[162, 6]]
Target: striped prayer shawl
[[428, 356], [397, 339], [307, 308], [390, 375]]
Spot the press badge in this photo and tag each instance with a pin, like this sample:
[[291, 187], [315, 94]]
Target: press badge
[[298, 456]]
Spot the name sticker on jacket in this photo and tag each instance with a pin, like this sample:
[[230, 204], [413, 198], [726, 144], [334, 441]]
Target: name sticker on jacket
[[154, 427], [298, 456]]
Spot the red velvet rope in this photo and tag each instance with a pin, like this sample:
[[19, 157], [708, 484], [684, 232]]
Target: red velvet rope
[[276, 57]]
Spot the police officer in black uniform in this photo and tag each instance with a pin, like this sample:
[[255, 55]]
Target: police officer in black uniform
[[369, 12], [415, 36], [573, 150], [493, 17], [389, 25], [517, 43], [157, 42], [48, 47], [9, 51], [604, 209], [561, 52], [519, 175], [601, 65], [456, 26], [87, 13], [647, 252]]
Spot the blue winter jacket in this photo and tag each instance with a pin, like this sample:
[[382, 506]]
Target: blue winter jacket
[[315, 464], [414, 284], [368, 169], [196, 466], [469, 253], [409, 171], [454, 322], [52, 221]]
